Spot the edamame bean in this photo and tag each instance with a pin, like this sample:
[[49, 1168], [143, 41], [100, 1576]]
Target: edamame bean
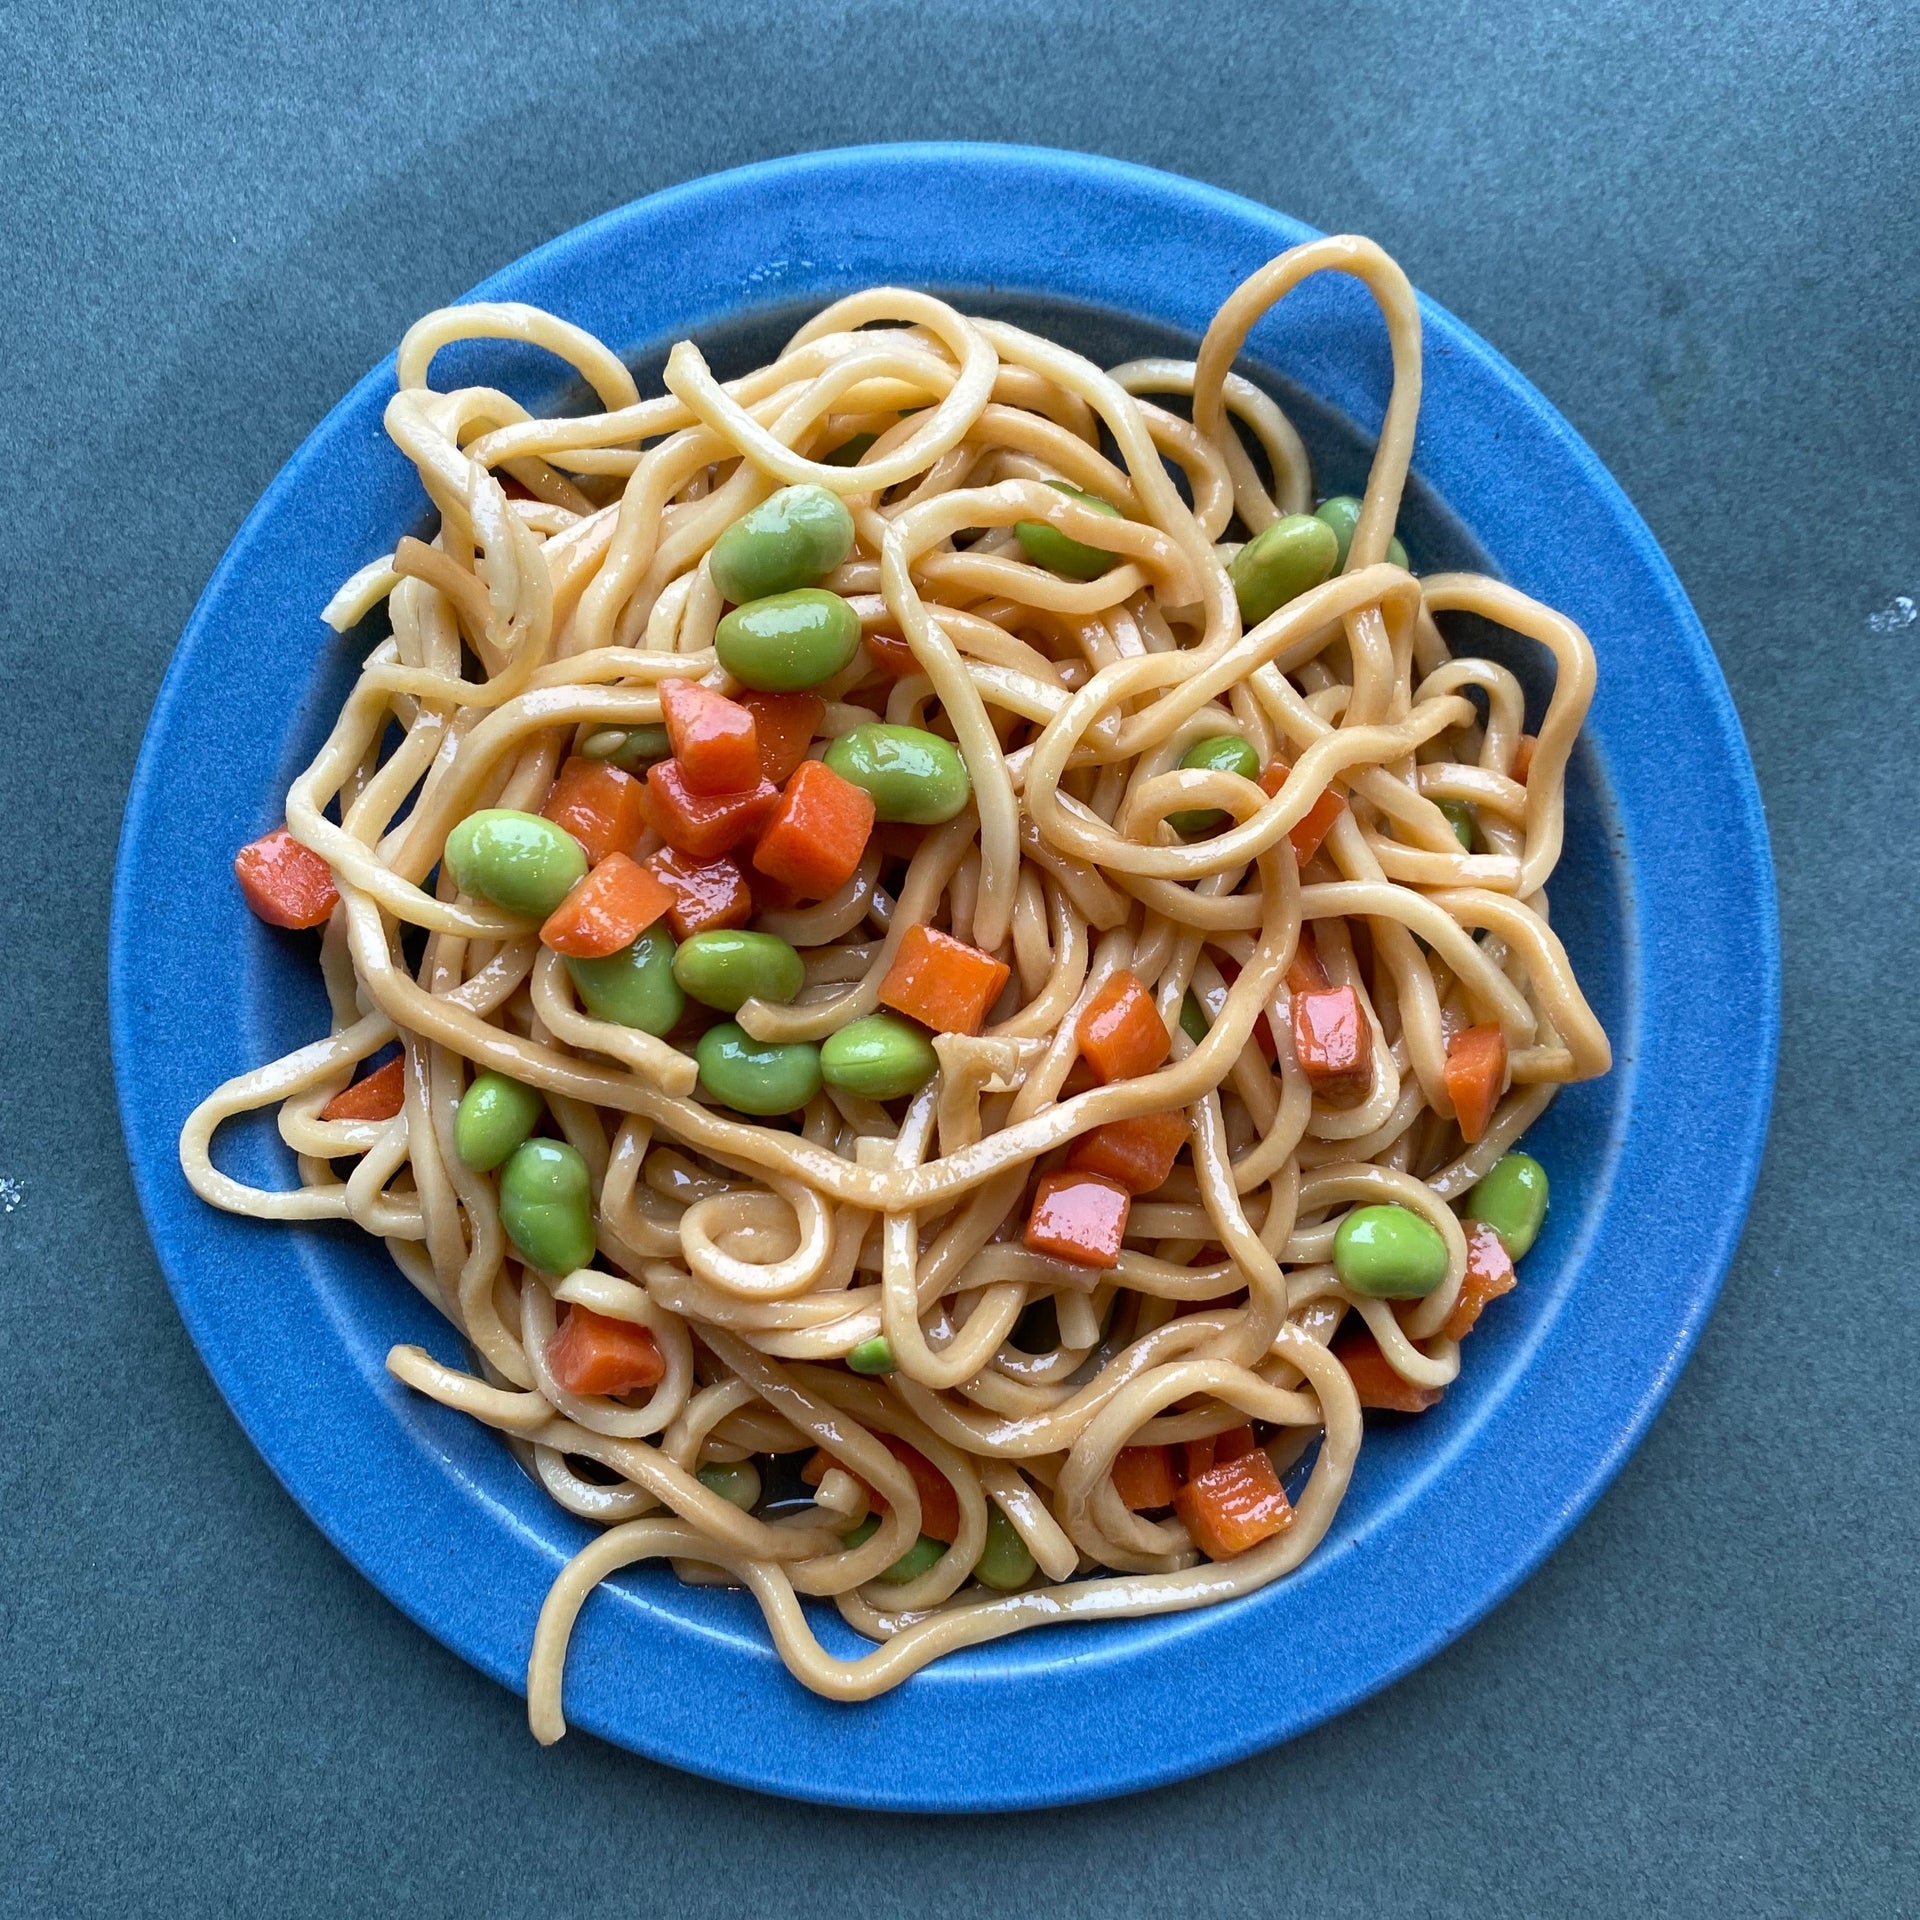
[[1281, 562], [912, 775], [1460, 819], [1004, 1562], [1193, 1019], [756, 1076], [1512, 1199], [793, 538], [872, 1356], [1046, 546], [634, 987], [1389, 1254], [788, 641], [1342, 514], [517, 860], [1221, 753], [735, 1481], [727, 967], [630, 747], [546, 1205], [911, 1564], [494, 1116], [879, 1058]]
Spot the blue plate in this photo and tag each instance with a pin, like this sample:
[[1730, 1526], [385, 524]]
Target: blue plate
[[1665, 900]]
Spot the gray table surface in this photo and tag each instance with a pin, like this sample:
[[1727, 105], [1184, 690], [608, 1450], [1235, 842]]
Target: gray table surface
[[1693, 227]]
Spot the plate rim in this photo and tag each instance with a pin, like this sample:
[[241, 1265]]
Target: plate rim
[[1110, 1774]]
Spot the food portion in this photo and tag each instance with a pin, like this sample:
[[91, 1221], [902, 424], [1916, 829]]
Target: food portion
[[938, 968]]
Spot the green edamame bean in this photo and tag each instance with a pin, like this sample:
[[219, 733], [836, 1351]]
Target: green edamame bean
[[911, 1565], [517, 860], [1512, 1199], [727, 967], [793, 538], [1193, 1019], [1004, 1563], [494, 1116], [1046, 546], [912, 775], [1281, 562], [879, 1058], [735, 1481], [756, 1076], [1342, 514], [546, 1205], [788, 641], [632, 748], [634, 987], [1460, 819], [1389, 1253], [849, 453], [872, 1356], [1222, 753]]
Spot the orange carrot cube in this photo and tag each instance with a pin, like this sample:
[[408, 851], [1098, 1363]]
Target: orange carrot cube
[[714, 739], [611, 908], [891, 654], [705, 893], [1375, 1381], [1333, 1042], [1476, 1077], [1143, 1478], [942, 982], [939, 1504], [1489, 1274], [600, 804], [785, 724], [593, 1353], [380, 1096], [286, 884], [1079, 1217], [1234, 1506], [705, 825], [1315, 824], [1522, 758], [817, 835], [1137, 1153], [1121, 1033]]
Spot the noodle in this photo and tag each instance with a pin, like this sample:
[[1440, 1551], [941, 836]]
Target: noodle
[[570, 582]]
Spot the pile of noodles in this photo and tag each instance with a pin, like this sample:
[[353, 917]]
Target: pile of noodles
[[566, 580]]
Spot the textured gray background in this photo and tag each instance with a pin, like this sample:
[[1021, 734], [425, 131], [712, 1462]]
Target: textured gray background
[[1696, 235]]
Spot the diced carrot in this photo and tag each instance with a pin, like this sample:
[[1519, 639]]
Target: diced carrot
[[611, 908], [942, 982], [1137, 1153], [715, 740], [1196, 1456], [600, 804], [939, 1504], [1375, 1381], [1079, 1217], [890, 654], [1476, 1077], [1489, 1275], [1333, 1042], [1143, 1478], [286, 884], [1120, 1031], [1522, 758], [1306, 975], [818, 833], [705, 825], [706, 893], [593, 1353], [1315, 824], [1233, 1444], [1234, 1506], [785, 724], [378, 1097]]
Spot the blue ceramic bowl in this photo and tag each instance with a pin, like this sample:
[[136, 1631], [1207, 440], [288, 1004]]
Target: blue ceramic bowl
[[1664, 898]]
